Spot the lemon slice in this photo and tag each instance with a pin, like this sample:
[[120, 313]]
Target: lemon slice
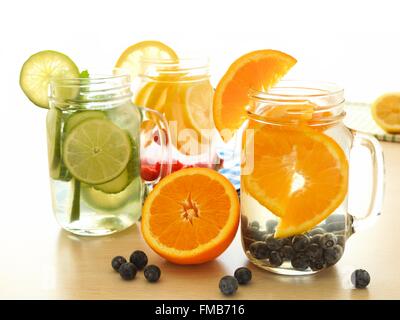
[[145, 50], [198, 103], [39, 69], [96, 151], [386, 112]]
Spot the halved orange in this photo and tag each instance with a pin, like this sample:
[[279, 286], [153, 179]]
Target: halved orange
[[191, 216], [258, 70], [299, 174]]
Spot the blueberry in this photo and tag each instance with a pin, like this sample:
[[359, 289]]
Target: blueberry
[[255, 225], [287, 241], [287, 252], [300, 242], [316, 264], [243, 275], [316, 239], [117, 262], [275, 259], [335, 226], [328, 240], [127, 271], [273, 243], [333, 254], [152, 273], [300, 262], [255, 234], [316, 231], [238, 192], [139, 259], [341, 240], [271, 226], [228, 285], [360, 278], [259, 250], [314, 251]]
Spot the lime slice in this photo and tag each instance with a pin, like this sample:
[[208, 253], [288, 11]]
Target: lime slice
[[53, 126], [79, 117], [102, 201], [96, 151], [39, 69], [125, 178]]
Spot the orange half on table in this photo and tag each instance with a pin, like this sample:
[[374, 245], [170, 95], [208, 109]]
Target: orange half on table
[[186, 223]]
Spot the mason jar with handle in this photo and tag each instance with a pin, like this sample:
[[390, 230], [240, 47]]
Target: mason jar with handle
[[96, 140], [295, 175]]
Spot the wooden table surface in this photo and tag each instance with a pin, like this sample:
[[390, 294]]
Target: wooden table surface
[[40, 261]]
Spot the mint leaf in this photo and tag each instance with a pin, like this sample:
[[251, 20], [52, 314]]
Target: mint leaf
[[84, 74]]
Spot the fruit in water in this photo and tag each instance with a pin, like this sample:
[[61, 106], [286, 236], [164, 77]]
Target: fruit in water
[[39, 69], [291, 167], [186, 223], [96, 151]]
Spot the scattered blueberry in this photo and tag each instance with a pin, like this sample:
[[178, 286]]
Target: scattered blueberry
[[328, 240], [152, 273], [228, 285], [316, 231], [139, 259], [127, 271], [314, 251], [117, 262], [243, 275], [360, 278], [275, 259], [300, 262], [300, 242], [333, 254], [259, 250], [273, 243]]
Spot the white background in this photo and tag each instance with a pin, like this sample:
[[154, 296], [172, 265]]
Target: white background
[[353, 43]]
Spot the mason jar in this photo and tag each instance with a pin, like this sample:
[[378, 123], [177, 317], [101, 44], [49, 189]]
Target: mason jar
[[294, 178], [95, 142]]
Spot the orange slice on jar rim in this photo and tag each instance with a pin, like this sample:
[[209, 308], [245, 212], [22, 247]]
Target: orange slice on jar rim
[[299, 174], [259, 70]]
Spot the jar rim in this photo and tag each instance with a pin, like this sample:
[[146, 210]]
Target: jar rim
[[325, 101]]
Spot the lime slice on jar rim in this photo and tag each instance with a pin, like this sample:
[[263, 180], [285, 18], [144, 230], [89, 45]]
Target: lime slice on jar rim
[[96, 151], [39, 69]]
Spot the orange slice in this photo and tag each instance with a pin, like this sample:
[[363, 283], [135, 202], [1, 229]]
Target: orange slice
[[386, 112], [131, 58], [258, 70], [300, 175], [186, 223]]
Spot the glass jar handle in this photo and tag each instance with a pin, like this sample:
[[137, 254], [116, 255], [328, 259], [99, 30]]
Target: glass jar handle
[[153, 119], [375, 205]]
